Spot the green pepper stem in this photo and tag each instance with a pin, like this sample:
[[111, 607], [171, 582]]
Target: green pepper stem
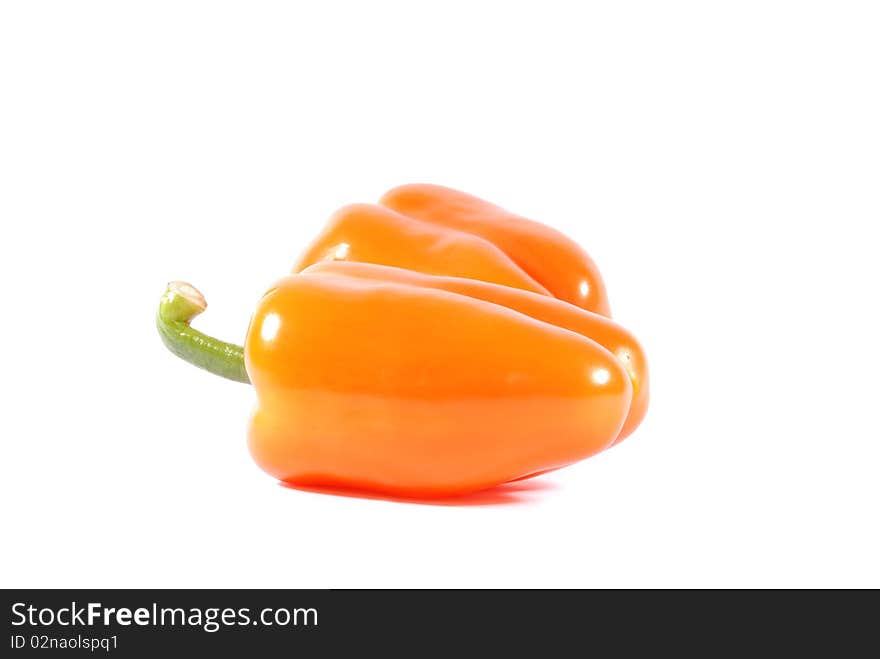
[[179, 305]]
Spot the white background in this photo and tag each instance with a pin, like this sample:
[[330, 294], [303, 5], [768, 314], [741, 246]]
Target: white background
[[720, 161]]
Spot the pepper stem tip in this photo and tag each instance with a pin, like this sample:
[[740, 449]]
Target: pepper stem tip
[[180, 303]]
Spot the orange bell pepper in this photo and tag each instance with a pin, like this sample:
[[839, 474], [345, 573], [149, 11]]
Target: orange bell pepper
[[450, 373]]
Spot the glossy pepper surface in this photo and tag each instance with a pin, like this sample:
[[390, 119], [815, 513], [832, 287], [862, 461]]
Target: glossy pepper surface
[[427, 352], [604, 331], [553, 259], [375, 234], [418, 391]]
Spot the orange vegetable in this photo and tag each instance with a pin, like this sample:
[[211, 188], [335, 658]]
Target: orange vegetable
[[435, 351]]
